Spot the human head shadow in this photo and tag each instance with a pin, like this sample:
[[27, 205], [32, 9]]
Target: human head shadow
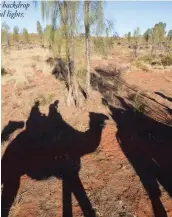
[[147, 145], [50, 147]]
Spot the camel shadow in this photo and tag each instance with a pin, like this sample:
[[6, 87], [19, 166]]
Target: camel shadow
[[147, 144], [50, 147]]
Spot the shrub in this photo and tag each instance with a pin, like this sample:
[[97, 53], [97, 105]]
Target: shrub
[[137, 103], [3, 71], [81, 73], [166, 60], [45, 100], [152, 60], [142, 65], [161, 60]]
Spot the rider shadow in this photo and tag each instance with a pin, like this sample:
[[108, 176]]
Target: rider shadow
[[148, 146], [50, 147]]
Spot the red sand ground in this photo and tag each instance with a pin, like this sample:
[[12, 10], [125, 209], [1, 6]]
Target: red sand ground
[[110, 182]]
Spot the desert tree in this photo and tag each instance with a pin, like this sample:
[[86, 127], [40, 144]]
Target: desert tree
[[158, 36], [58, 42], [49, 35], [5, 35], [25, 35], [169, 40], [68, 12], [147, 35], [162, 33], [39, 31], [53, 38], [64, 14], [87, 42], [103, 44], [136, 36], [16, 34], [155, 38], [129, 37], [169, 35], [94, 22]]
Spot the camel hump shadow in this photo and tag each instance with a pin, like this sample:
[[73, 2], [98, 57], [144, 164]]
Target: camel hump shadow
[[50, 147]]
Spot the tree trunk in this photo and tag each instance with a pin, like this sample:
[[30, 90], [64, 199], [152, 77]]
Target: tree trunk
[[73, 96], [87, 44], [68, 60]]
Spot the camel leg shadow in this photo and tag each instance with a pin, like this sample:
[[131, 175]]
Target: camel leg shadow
[[149, 182], [9, 193], [73, 184]]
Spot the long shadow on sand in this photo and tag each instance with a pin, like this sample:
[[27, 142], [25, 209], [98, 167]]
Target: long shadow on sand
[[146, 143], [163, 96], [50, 147], [148, 146]]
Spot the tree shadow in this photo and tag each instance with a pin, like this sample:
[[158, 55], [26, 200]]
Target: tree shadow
[[165, 97], [108, 83], [50, 147], [148, 146], [146, 143]]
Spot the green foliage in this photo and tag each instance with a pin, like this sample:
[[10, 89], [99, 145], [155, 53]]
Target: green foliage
[[147, 35], [25, 35], [5, 27], [169, 35], [57, 43], [39, 29], [166, 60], [49, 34], [142, 65], [150, 59], [158, 32], [45, 100], [138, 105], [95, 17], [16, 34], [103, 45], [5, 33], [146, 61], [129, 37], [136, 34], [162, 32], [81, 73]]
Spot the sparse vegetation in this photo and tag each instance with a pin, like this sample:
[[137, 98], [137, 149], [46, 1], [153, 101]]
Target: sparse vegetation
[[25, 35], [3, 71], [16, 34], [142, 65], [166, 60], [45, 100], [138, 104], [39, 31], [147, 62], [76, 88]]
